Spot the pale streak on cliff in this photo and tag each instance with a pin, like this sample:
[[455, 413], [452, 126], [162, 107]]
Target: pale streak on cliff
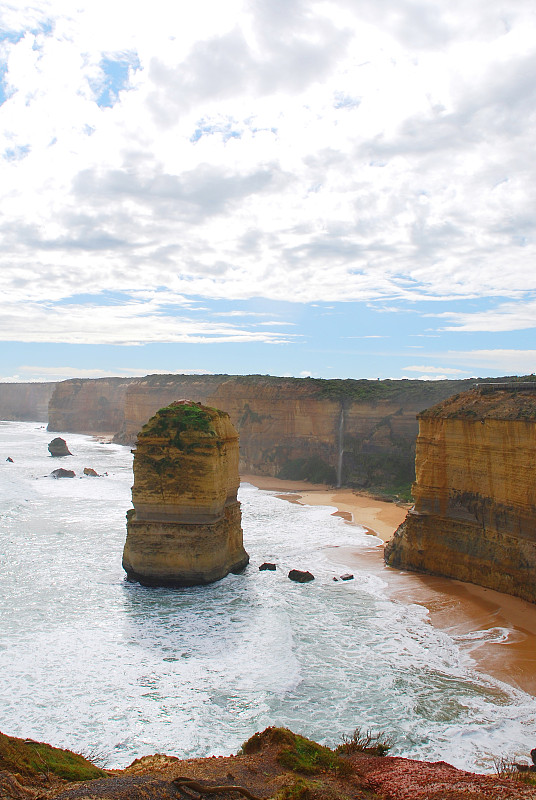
[[474, 516]]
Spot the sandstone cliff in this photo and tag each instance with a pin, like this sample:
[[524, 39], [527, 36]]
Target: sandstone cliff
[[354, 432], [185, 527], [474, 517], [88, 406], [25, 401]]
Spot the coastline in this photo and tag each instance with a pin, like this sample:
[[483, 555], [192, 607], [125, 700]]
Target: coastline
[[496, 630]]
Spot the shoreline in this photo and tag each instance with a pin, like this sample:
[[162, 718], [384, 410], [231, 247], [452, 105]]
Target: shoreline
[[507, 625]]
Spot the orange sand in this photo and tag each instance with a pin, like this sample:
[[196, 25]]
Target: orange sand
[[456, 607]]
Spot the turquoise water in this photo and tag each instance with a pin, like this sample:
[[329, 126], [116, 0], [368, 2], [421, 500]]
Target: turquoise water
[[91, 662]]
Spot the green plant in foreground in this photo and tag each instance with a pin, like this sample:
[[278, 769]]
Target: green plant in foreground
[[303, 789], [373, 744], [30, 758], [296, 752], [299, 789]]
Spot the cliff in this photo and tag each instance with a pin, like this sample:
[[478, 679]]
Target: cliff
[[358, 433], [185, 527], [25, 401], [474, 517], [88, 406], [275, 764]]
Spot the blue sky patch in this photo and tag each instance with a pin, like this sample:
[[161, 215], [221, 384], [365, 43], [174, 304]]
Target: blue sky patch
[[116, 75], [209, 129], [16, 153]]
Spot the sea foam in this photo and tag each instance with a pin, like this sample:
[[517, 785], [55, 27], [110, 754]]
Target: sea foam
[[90, 661]]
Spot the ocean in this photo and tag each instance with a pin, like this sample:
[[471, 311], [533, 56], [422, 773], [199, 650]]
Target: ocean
[[96, 664]]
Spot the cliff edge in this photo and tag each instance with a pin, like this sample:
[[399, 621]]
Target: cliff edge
[[185, 527], [273, 765], [474, 517]]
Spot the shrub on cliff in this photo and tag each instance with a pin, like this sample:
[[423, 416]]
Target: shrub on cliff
[[296, 752], [30, 758]]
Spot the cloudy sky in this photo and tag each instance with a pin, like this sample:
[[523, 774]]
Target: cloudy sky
[[338, 189]]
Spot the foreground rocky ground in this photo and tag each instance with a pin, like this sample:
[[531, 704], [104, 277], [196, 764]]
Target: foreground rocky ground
[[273, 764]]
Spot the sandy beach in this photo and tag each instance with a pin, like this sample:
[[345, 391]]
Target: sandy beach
[[498, 631]]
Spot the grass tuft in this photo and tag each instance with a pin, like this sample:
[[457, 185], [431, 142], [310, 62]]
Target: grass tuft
[[31, 758]]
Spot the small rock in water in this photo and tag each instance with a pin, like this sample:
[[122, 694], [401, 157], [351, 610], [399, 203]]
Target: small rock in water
[[300, 577], [347, 577], [335, 579], [62, 473], [90, 471], [58, 448], [267, 565], [9, 459]]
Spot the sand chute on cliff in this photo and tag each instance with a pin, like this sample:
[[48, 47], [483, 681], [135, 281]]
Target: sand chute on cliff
[[185, 528]]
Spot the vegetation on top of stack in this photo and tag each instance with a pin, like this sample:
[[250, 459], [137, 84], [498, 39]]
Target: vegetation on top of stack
[[178, 417]]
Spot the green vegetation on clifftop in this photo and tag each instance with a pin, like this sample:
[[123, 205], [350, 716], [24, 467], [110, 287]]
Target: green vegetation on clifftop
[[27, 757]]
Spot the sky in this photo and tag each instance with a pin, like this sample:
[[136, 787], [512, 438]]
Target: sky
[[336, 189]]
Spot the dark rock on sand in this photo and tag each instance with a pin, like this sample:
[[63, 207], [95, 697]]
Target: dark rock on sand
[[300, 577], [62, 473]]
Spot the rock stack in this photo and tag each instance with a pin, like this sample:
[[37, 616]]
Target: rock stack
[[185, 528]]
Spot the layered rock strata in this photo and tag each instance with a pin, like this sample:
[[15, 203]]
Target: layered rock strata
[[185, 528], [358, 433], [89, 405], [474, 516]]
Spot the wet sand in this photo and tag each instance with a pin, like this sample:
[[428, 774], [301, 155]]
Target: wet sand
[[498, 631]]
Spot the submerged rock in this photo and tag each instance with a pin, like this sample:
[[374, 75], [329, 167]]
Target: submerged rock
[[185, 528], [58, 448], [62, 473], [300, 577]]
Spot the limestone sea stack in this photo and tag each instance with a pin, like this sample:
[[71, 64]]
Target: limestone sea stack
[[474, 517], [185, 528]]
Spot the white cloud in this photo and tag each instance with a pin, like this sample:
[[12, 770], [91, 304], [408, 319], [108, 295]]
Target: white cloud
[[505, 317], [444, 370], [313, 152], [32, 374], [498, 361], [130, 324]]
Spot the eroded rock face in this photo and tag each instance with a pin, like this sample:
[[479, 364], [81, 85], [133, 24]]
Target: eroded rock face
[[185, 528], [357, 433], [474, 517], [58, 448]]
